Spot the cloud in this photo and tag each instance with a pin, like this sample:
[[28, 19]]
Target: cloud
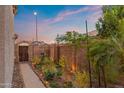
[[94, 16], [47, 32], [26, 31], [67, 13]]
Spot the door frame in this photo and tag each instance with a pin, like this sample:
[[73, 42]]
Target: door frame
[[26, 54], [23, 43]]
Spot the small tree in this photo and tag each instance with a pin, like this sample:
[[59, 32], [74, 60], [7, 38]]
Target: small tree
[[108, 25], [73, 39], [108, 50], [103, 53]]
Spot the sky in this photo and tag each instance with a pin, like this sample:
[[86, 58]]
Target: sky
[[53, 20]]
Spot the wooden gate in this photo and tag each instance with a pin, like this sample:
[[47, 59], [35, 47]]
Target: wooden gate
[[23, 53]]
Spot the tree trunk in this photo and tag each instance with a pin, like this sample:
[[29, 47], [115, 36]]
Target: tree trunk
[[99, 80], [104, 78]]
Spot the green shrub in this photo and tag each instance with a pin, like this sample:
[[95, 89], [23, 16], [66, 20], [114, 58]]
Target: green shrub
[[58, 66], [122, 68], [49, 75], [68, 84], [38, 66], [58, 73], [62, 62], [54, 84], [112, 72], [80, 79], [48, 65], [36, 60]]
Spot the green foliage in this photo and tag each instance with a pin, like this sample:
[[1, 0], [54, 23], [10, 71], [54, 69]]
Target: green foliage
[[49, 69], [48, 65], [107, 49], [38, 66], [103, 53], [108, 25], [49, 75], [36, 60], [62, 62], [59, 74], [63, 65], [54, 84], [112, 71], [81, 79], [68, 84], [72, 38]]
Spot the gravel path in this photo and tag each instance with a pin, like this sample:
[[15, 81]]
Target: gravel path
[[17, 81], [30, 78]]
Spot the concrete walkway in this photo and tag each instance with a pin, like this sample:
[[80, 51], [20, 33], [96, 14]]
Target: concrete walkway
[[30, 78]]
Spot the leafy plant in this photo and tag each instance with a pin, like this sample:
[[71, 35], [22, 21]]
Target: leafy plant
[[54, 84], [49, 75], [38, 66], [106, 49], [81, 79], [48, 65], [36, 60], [105, 59], [62, 62], [59, 74], [68, 84], [112, 71], [109, 24]]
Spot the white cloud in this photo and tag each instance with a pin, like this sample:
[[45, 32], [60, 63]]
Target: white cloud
[[95, 16], [67, 13]]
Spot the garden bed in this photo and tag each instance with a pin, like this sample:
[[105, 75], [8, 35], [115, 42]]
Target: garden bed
[[57, 75], [55, 82]]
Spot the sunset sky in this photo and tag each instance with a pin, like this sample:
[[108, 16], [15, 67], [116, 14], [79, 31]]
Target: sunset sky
[[53, 20]]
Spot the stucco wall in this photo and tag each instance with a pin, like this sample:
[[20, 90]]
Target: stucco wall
[[2, 30], [7, 45]]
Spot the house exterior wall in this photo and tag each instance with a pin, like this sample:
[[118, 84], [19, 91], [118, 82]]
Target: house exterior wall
[[2, 31], [6, 45]]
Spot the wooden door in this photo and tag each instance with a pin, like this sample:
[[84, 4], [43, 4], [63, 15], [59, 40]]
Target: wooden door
[[23, 53]]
